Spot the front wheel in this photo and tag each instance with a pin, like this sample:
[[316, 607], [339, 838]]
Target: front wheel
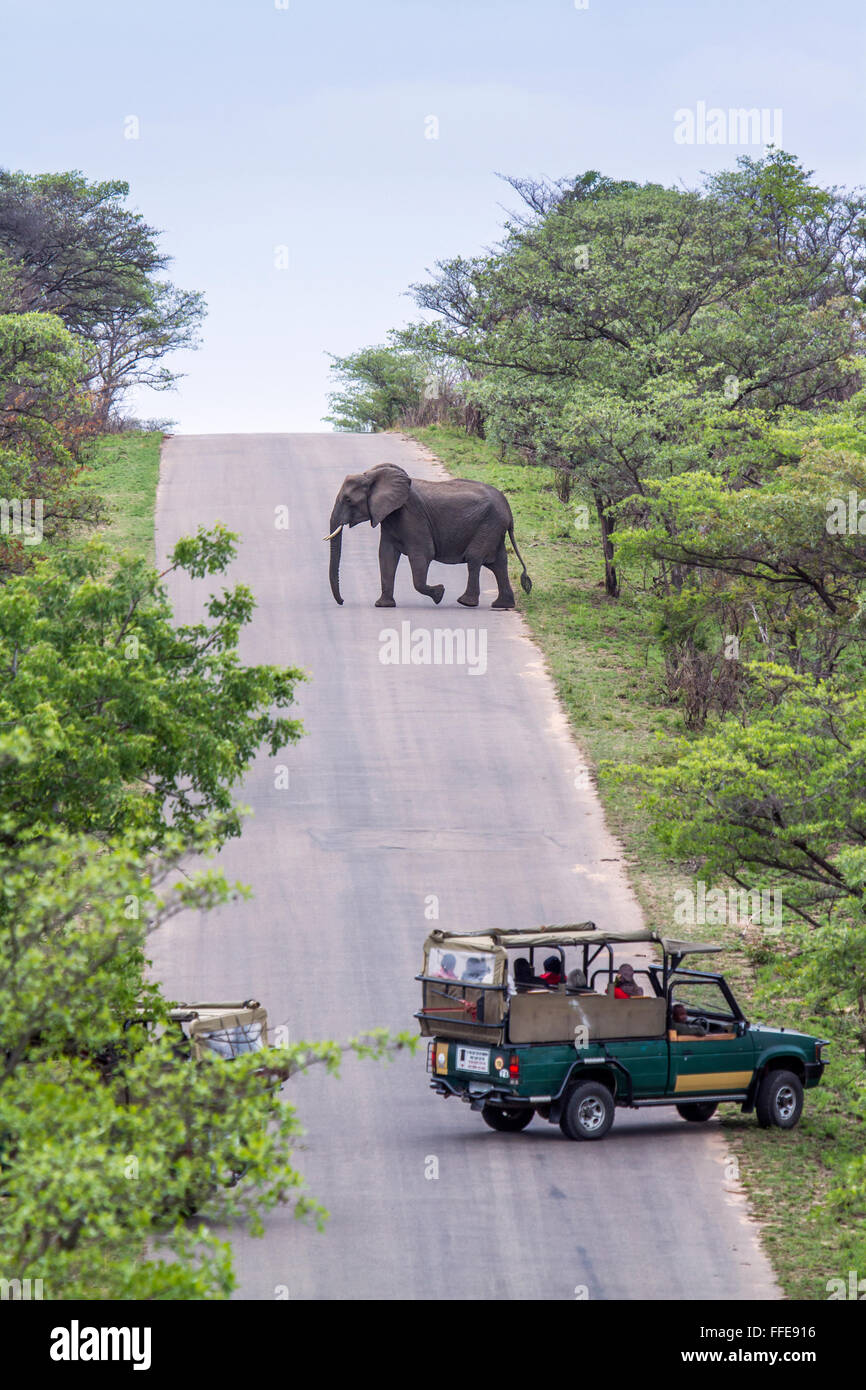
[[508, 1119], [588, 1112], [780, 1100], [697, 1110]]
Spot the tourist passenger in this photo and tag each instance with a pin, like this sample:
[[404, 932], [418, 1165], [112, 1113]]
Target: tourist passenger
[[523, 976], [625, 986], [552, 972], [476, 969]]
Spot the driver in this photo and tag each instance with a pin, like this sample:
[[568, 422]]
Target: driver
[[680, 1021]]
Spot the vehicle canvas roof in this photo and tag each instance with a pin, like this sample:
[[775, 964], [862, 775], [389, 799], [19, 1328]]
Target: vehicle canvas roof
[[577, 935]]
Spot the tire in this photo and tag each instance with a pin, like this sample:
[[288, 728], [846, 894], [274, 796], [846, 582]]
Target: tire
[[698, 1110], [507, 1119], [588, 1112], [780, 1100]]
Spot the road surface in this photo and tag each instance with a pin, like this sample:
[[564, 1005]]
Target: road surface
[[420, 789]]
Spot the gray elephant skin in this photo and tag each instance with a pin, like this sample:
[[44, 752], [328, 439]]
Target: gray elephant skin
[[457, 523]]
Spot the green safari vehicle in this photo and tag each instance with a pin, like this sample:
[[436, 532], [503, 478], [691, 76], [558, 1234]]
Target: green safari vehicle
[[573, 1048]]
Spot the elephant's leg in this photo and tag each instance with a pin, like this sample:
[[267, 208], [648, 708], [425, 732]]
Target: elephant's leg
[[499, 567], [389, 558], [469, 599], [420, 564]]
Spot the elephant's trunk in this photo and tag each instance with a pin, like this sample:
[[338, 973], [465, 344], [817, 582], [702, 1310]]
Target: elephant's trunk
[[336, 540]]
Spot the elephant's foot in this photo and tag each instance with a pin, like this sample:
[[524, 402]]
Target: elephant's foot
[[468, 601], [502, 603], [437, 592], [385, 602]]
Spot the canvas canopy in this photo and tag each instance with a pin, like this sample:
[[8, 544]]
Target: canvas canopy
[[580, 934], [227, 1030], [686, 948]]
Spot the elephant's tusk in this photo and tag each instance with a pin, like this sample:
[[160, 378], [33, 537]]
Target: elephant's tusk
[[333, 534]]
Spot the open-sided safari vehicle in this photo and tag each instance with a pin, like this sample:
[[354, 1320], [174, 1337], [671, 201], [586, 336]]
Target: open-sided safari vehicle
[[226, 1030], [513, 1047], [196, 1031]]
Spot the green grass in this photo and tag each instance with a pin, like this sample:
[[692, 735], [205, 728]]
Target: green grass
[[608, 671], [123, 469]]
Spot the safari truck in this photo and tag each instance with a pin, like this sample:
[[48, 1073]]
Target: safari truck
[[574, 1045]]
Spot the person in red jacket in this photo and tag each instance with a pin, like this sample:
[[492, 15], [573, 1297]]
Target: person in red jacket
[[625, 986], [552, 975]]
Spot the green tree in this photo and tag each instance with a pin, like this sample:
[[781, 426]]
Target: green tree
[[135, 718], [121, 739], [76, 251], [110, 1138], [614, 319], [44, 417]]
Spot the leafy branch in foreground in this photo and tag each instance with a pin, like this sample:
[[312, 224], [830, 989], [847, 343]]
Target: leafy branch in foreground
[[111, 1137], [133, 722]]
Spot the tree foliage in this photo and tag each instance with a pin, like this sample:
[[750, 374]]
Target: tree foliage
[[71, 248], [122, 737]]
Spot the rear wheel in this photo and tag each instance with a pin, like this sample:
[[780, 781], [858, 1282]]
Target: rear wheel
[[780, 1100], [508, 1119], [698, 1110], [588, 1112]]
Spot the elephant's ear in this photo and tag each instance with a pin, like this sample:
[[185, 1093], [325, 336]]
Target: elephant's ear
[[389, 488]]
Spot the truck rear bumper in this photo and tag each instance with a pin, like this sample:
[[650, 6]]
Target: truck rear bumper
[[475, 1093]]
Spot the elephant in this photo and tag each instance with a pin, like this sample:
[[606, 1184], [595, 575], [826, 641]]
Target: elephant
[[457, 522]]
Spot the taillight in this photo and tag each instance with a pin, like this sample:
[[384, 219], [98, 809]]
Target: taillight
[[514, 1065]]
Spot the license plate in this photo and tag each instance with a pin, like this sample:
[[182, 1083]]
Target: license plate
[[473, 1059]]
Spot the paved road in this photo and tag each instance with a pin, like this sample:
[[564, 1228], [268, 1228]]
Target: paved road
[[415, 783]]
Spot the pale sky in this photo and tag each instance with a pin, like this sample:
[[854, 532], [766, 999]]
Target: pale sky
[[306, 127]]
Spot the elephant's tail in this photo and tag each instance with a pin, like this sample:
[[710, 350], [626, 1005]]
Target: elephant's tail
[[525, 581]]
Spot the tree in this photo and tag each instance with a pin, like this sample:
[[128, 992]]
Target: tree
[[137, 721], [44, 418], [109, 1139], [78, 252], [378, 385], [121, 739], [620, 316], [132, 342], [778, 802], [399, 385]]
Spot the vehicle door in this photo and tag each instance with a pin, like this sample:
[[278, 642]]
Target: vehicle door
[[721, 1060]]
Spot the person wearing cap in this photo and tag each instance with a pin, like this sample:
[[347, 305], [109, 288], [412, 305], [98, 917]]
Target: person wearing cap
[[575, 982], [552, 972], [625, 986]]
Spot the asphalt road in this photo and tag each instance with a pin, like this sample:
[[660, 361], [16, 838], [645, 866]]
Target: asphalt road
[[415, 784]]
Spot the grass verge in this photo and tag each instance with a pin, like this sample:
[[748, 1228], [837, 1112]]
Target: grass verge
[[607, 668], [123, 469]]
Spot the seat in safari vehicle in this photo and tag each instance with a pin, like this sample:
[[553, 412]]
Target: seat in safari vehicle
[[555, 1017]]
